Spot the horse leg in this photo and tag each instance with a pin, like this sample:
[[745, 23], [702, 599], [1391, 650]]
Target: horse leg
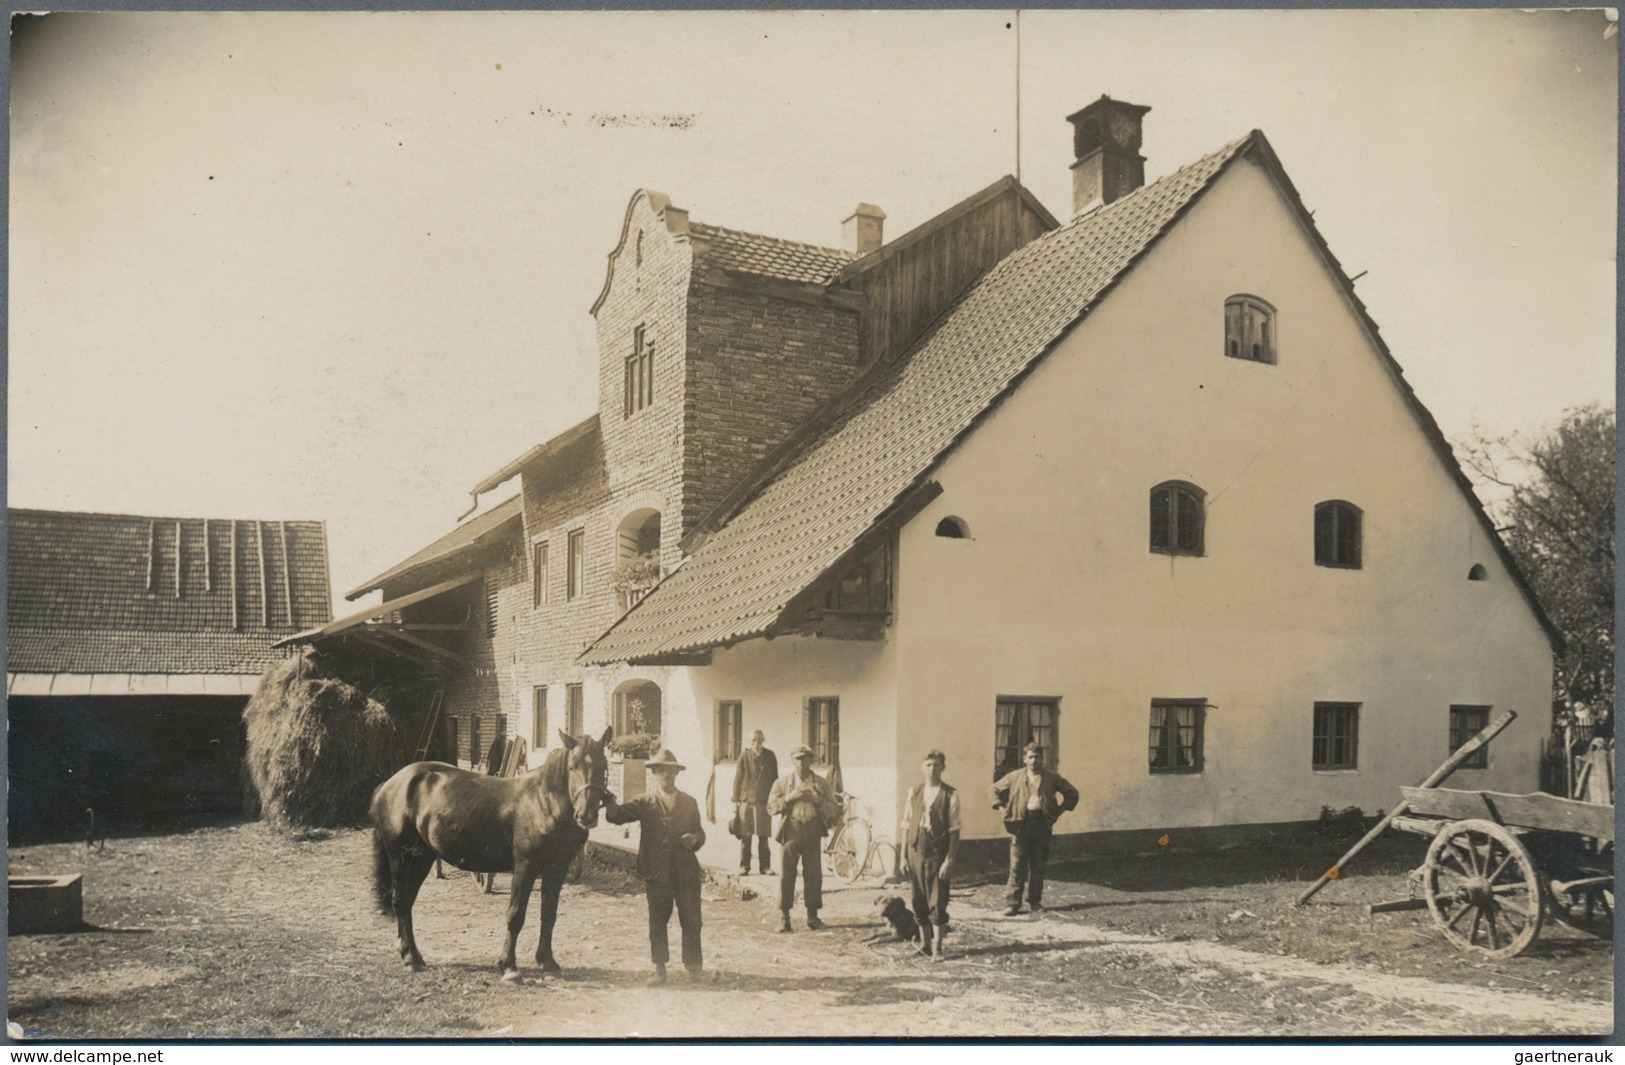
[[551, 886], [524, 878], [409, 870]]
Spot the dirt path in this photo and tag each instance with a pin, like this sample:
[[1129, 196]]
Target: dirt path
[[236, 932]]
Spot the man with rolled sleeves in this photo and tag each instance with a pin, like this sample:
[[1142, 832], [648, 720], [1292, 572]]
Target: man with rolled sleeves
[[809, 807], [931, 826], [1032, 799], [670, 832], [758, 768]]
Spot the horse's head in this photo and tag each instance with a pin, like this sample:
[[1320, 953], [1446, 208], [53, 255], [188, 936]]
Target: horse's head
[[589, 780]]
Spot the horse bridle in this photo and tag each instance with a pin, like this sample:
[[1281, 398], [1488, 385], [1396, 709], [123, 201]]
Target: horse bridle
[[587, 789]]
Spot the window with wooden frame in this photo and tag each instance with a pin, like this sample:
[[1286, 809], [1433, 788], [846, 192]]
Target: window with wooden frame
[[1176, 735], [730, 730], [1249, 329], [576, 563], [1337, 534], [865, 586], [538, 716], [638, 388], [574, 710], [1337, 736], [1465, 723], [538, 573], [1018, 721], [822, 731], [1178, 518]]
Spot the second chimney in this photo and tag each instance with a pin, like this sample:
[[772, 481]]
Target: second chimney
[[1106, 142], [862, 231]]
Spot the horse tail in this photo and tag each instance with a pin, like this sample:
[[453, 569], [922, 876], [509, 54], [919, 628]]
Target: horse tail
[[383, 883]]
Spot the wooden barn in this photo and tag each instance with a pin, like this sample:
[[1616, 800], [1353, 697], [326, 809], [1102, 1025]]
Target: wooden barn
[[133, 644]]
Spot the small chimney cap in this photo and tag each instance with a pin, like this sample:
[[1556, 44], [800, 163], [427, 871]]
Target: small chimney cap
[[865, 210], [1106, 102]]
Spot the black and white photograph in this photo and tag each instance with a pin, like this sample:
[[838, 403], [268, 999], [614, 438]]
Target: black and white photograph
[[811, 525]]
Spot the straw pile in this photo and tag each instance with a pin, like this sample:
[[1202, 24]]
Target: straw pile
[[317, 745]]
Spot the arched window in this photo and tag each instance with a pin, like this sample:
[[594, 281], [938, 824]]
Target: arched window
[[1249, 329], [952, 528], [1478, 572], [1337, 535], [1177, 518]]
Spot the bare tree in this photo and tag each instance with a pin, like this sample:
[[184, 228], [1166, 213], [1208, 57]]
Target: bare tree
[[1553, 497]]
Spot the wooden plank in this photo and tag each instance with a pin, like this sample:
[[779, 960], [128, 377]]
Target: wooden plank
[[152, 550], [265, 573], [287, 573], [236, 619], [432, 648], [1397, 905], [179, 563], [1534, 810], [208, 556]]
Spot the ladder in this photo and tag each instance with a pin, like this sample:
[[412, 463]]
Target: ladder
[[430, 723]]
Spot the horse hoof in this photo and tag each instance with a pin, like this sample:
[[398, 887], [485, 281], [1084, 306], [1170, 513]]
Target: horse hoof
[[415, 965], [511, 976], [549, 965]]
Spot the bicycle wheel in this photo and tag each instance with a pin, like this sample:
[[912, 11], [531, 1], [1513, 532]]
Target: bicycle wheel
[[883, 860], [853, 854]]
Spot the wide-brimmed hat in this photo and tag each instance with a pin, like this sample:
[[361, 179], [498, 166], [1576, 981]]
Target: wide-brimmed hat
[[800, 749], [664, 759]]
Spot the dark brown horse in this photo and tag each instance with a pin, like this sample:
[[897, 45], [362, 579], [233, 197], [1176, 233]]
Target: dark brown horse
[[533, 826]]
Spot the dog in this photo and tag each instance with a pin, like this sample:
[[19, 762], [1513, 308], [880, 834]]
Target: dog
[[900, 924]]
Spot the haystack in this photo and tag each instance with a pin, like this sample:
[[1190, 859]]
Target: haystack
[[317, 745]]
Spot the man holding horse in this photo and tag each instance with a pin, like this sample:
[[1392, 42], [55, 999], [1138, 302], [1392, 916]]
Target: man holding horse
[[809, 807], [670, 832]]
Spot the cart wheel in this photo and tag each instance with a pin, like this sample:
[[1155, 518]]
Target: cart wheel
[[1482, 888]]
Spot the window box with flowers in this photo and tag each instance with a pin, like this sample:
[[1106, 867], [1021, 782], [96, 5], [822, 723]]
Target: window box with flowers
[[633, 578]]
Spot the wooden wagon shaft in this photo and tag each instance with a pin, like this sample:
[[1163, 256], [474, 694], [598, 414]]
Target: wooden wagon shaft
[[1492, 730]]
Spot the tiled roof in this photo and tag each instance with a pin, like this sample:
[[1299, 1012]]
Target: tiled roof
[[752, 253], [111, 593], [900, 422], [465, 537]]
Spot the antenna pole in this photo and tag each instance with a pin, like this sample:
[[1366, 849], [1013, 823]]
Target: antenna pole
[[1018, 94]]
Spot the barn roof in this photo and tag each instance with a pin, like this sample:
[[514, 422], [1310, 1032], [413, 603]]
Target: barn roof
[[126, 594]]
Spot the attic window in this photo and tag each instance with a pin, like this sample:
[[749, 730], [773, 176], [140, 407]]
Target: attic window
[[1478, 572], [1249, 329], [1177, 518], [638, 388], [1337, 535], [952, 528]]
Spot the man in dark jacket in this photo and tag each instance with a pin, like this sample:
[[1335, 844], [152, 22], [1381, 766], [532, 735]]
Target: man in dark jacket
[[931, 840], [669, 835], [809, 807], [1032, 798], [758, 768]]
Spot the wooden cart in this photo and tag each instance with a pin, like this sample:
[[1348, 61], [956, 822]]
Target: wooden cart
[[1499, 864]]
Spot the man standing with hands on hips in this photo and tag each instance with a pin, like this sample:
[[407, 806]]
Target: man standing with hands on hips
[[809, 807], [1032, 798]]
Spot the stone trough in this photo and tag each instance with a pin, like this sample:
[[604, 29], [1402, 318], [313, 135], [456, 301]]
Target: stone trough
[[45, 903]]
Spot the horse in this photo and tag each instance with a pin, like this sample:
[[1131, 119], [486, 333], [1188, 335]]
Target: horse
[[533, 826]]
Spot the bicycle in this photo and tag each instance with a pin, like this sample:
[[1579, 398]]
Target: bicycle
[[853, 848]]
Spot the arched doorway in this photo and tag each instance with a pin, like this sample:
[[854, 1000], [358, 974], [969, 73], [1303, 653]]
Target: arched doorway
[[637, 708], [637, 556]]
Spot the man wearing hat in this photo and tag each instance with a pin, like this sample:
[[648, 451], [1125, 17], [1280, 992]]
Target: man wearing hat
[[1032, 798], [758, 768], [809, 807], [669, 834]]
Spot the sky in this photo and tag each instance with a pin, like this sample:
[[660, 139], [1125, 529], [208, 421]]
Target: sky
[[338, 266]]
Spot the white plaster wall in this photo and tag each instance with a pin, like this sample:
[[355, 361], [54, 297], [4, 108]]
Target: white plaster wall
[[1057, 594]]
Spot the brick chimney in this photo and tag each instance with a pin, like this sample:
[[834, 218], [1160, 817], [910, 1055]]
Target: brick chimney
[[1106, 141], [861, 233]]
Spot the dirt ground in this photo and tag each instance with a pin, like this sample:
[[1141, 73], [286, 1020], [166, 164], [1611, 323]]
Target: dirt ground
[[232, 931]]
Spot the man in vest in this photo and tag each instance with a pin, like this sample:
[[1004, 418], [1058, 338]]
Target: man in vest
[[931, 841], [758, 768], [669, 834], [809, 807], [1032, 799]]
